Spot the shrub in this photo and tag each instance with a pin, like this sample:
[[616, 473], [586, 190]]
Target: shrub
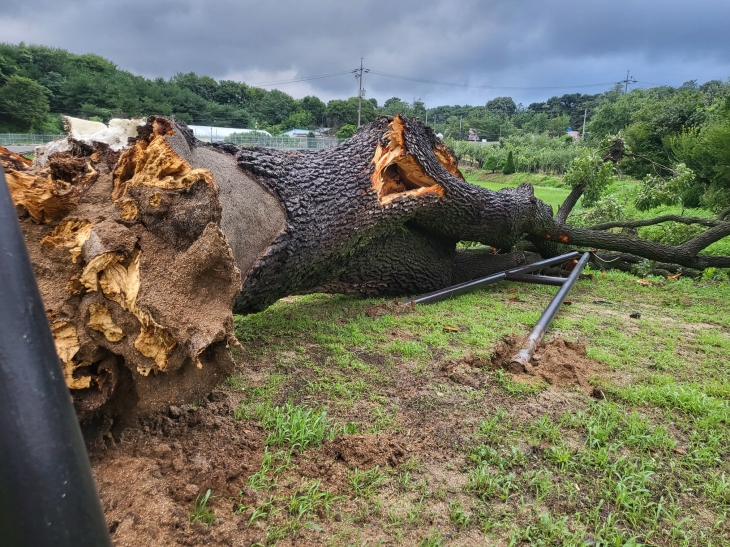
[[509, 166]]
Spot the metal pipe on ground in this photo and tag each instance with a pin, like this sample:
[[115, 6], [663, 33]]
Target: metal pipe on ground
[[47, 493], [536, 279], [523, 357], [468, 286]]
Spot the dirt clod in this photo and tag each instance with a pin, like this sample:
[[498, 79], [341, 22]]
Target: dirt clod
[[559, 362], [366, 451]]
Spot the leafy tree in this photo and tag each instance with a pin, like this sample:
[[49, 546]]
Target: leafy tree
[[203, 86], [301, 119], [394, 106], [275, 107], [509, 166], [345, 112], [656, 190], [491, 163], [23, 102], [314, 106], [346, 131], [502, 106], [591, 173]]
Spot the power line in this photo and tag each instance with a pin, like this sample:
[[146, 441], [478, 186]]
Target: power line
[[358, 74], [305, 79], [455, 84], [628, 81]]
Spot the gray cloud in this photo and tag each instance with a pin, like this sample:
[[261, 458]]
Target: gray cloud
[[518, 43]]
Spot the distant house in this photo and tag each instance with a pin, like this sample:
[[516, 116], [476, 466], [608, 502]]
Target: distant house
[[218, 134], [473, 135], [574, 134], [301, 133]]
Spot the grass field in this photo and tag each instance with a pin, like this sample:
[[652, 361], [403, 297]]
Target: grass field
[[548, 188], [492, 458]]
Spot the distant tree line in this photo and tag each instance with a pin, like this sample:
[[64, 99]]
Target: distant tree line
[[38, 84], [663, 127]]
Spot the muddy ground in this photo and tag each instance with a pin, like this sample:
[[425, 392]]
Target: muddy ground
[[150, 475]]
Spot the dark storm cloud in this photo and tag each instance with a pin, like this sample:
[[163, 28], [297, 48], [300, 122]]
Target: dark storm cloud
[[518, 43]]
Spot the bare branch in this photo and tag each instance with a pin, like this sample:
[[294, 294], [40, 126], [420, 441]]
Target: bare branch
[[696, 244], [564, 210], [684, 254], [709, 222]]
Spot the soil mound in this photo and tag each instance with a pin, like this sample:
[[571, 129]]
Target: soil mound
[[558, 362], [168, 460], [366, 451]]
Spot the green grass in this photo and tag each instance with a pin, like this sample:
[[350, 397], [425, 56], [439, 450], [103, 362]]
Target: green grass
[[499, 460], [201, 511], [549, 189], [293, 426]]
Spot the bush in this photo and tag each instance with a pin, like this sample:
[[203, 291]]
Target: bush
[[607, 209], [509, 166], [346, 131], [491, 164]]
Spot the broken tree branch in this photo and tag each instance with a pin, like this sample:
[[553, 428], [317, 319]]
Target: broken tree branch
[[709, 222]]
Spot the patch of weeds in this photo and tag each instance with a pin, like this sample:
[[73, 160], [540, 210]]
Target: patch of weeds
[[487, 484], [383, 418], [679, 397], [364, 483], [260, 480], [718, 490], [409, 349], [309, 499], [414, 513], [517, 389], [543, 428], [201, 511], [236, 382], [433, 539], [457, 515], [504, 459], [488, 520], [547, 530], [560, 455], [539, 483], [263, 511], [293, 425], [350, 428]]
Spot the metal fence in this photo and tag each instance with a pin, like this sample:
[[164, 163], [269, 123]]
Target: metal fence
[[281, 143], [284, 143], [22, 139]]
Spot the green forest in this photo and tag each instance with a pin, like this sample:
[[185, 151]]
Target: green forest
[[679, 138]]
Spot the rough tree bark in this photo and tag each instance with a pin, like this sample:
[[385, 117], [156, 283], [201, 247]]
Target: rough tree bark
[[143, 248]]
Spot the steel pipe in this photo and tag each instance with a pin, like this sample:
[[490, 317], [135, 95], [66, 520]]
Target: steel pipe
[[536, 279], [468, 286], [47, 493], [524, 355]]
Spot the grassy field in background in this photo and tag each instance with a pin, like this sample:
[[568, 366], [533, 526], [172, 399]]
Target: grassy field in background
[[493, 459], [549, 189]]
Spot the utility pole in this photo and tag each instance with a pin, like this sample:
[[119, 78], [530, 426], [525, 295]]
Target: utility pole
[[628, 81], [585, 115], [358, 74]]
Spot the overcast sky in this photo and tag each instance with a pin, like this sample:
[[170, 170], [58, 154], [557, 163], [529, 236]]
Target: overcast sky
[[498, 47]]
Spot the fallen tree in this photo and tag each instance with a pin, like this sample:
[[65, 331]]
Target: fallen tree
[[144, 240]]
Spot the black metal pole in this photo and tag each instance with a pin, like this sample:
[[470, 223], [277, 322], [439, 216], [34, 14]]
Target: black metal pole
[[469, 286], [524, 356], [536, 279], [47, 492]]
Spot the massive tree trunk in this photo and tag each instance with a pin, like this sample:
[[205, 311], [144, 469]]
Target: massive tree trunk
[[143, 248]]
